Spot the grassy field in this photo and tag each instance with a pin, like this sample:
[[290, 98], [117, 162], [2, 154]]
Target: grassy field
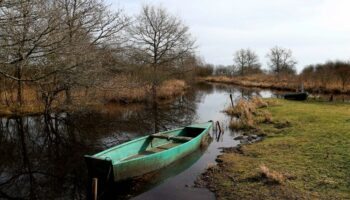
[[308, 159]]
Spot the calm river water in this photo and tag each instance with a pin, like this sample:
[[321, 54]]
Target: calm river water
[[42, 156]]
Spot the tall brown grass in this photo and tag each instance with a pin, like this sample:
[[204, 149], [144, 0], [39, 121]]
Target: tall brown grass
[[288, 83], [246, 114], [243, 111], [125, 90], [121, 89], [8, 96], [171, 88]]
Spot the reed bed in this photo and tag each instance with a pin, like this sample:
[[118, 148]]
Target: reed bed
[[287, 83], [246, 114], [121, 90]]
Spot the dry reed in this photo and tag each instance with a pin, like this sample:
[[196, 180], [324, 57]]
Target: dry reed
[[246, 113], [120, 89], [291, 83]]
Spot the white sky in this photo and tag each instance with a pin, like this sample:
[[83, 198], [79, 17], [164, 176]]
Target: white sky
[[315, 30]]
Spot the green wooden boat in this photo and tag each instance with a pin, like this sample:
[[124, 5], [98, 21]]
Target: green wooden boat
[[146, 154]]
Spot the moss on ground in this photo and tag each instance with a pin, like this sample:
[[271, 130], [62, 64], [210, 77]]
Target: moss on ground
[[312, 152]]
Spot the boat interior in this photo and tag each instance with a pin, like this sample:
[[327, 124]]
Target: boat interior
[[163, 141]]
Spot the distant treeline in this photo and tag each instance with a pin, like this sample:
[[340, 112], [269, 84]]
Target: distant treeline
[[332, 77], [327, 75], [246, 62]]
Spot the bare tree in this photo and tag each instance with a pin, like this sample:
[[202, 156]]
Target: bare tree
[[240, 61], [281, 61], [246, 60], [55, 42], [92, 30], [25, 27], [223, 70], [160, 40], [324, 74]]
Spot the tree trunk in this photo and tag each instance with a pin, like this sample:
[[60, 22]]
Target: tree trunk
[[68, 100], [19, 84], [25, 156]]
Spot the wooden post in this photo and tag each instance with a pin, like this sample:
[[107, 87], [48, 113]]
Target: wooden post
[[302, 87], [94, 188], [331, 98], [231, 100], [218, 124]]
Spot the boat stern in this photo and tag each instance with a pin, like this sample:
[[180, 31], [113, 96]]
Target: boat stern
[[206, 125], [99, 168]]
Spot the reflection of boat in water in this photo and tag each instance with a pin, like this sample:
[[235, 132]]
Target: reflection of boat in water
[[146, 154], [136, 186], [301, 96]]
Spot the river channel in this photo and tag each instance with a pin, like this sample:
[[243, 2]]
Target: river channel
[[42, 156]]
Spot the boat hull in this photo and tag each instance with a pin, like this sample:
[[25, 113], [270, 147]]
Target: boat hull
[[296, 96], [128, 168]]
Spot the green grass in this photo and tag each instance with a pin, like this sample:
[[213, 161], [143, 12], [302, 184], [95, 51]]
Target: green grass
[[314, 152]]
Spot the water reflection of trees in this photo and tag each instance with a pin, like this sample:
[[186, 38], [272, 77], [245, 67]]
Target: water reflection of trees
[[38, 159], [180, 113], [42, 156]]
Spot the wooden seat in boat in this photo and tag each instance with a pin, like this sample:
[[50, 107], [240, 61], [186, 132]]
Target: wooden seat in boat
[[169, 137]]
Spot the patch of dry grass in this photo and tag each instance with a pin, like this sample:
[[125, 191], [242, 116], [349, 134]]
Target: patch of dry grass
[[266, 117], [241, 125], [246, 114], [271, 175], [29, 93], [259, 102], [125, 91], [171, 88]]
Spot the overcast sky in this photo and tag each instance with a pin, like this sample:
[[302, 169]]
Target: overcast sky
[[315, 30]]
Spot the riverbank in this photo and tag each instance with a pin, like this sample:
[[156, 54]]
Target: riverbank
[[283, 83], [120, 93], [308, 159]]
